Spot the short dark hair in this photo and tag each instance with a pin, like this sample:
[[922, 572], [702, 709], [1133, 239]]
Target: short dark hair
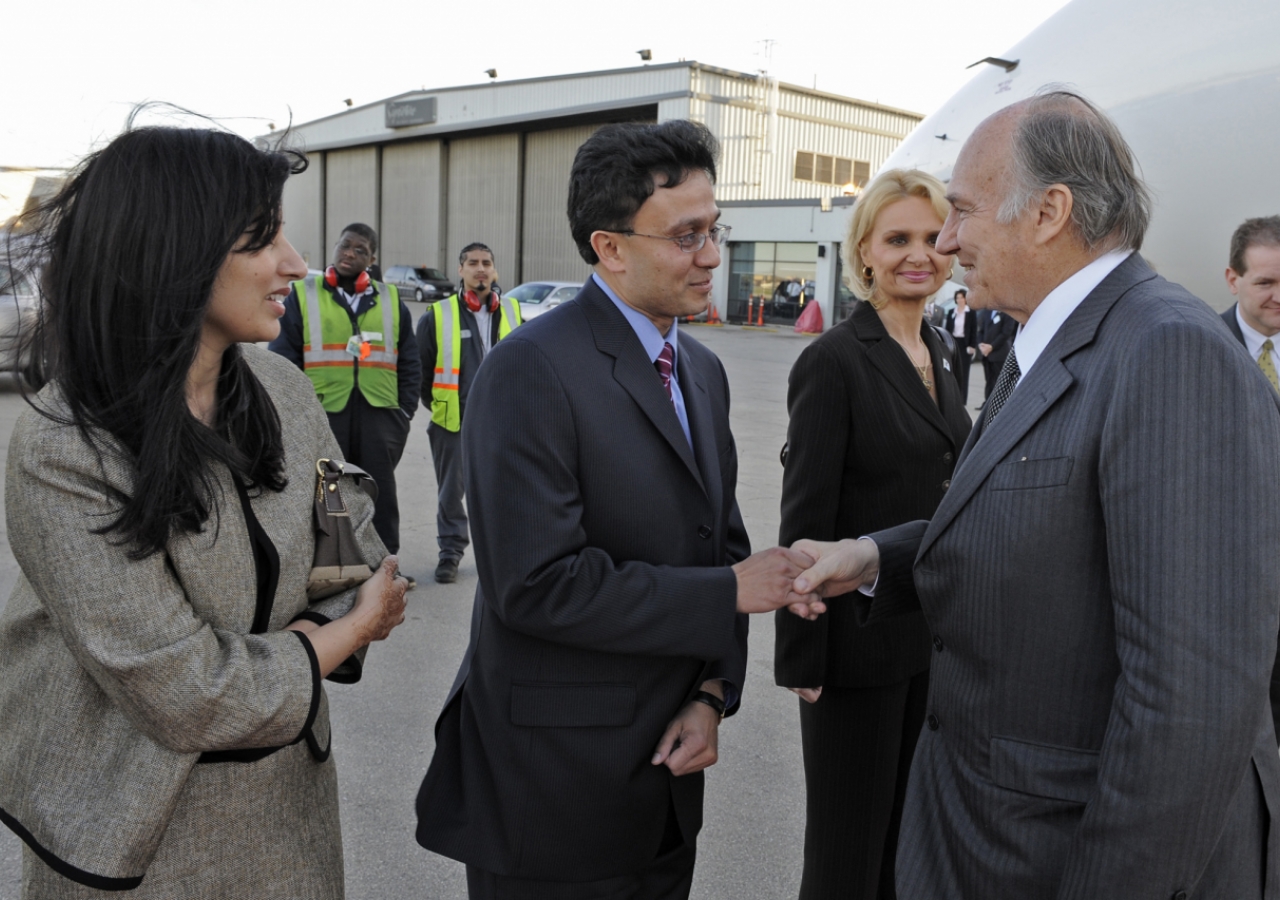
[[614, 173], [475, 245], [365, 232], [134, 242], [1262, 230], [959, 292]]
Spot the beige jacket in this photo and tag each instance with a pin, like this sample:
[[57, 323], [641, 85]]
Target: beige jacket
[[116, 675]]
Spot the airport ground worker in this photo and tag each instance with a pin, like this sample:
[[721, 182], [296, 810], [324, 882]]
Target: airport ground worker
[[354, 339], [454, 336]]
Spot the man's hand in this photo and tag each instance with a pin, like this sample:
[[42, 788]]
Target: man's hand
[[838, 568], [808, 695], [765, 581], [690, 741], [985, 348]]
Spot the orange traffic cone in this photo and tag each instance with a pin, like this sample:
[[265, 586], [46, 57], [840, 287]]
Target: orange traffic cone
[[760, 319], [713, 315]]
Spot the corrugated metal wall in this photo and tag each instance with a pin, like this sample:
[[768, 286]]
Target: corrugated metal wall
[[351, 192], [412, 214], [303, 218], [549, 251], [484, 200]]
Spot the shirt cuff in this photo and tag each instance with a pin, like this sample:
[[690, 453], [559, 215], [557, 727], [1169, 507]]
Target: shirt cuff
[[870, 590]]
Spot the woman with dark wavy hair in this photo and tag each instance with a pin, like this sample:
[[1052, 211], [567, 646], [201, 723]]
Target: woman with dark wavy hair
[[165, 729]]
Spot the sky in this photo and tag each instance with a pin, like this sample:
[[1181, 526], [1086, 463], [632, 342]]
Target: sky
[[75, 69]]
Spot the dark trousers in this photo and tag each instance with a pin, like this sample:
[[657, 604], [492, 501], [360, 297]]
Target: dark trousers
[[451, 515], [668, 877], [962, 373], [992, 370], [857, 744], [373, 438]]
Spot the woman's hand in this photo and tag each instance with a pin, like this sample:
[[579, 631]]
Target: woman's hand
[[379, 608], [380, 603]]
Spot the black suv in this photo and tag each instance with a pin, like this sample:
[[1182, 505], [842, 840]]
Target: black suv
[[420, 283]]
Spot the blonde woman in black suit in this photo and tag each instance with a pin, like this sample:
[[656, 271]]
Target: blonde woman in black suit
[[877, 421]]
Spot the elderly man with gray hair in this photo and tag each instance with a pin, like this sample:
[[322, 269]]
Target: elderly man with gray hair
[[1101, 579]]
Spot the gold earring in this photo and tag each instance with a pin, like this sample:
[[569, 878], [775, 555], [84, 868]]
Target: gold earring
[[868, 274]]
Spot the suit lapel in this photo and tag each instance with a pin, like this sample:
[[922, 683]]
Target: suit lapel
[[697, 406], [632, 370], [891, 361], [1048, 380]]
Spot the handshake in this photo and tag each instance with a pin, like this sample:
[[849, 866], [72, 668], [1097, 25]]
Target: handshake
[[800, 577]]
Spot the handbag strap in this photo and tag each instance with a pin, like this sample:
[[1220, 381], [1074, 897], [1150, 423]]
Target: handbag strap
[[330, 471]]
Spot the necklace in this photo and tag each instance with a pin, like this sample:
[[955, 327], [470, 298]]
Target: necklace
[[922, 371]]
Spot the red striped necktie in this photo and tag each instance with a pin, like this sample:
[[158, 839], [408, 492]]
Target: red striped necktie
[[664, 363]]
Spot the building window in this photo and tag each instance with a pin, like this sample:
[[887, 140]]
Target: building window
[[804, 166], [824, 169]]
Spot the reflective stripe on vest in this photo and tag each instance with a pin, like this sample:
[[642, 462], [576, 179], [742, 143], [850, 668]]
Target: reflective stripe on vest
[[446, 407], [331, 368]]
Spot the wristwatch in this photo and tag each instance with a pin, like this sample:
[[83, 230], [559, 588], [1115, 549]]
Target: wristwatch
[[711, 700]]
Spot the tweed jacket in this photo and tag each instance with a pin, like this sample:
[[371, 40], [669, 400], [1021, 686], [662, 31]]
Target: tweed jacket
[[116, 675], [1104, 614]]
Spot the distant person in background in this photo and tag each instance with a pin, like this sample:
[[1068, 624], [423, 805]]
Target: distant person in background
[[353, 337], [454, 336], [1253, 276], [877, 422], [962, 324], [996, 331], [933, 313]]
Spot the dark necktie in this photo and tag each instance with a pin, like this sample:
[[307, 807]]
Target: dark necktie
[[1008, 380], [663, 364]]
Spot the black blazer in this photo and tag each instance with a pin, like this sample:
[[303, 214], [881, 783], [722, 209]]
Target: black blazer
[[1232, 324], [970, 329], [867, 448], [602, 543]]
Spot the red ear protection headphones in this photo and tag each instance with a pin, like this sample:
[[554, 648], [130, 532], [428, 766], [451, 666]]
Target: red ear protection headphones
[[362, 280], [473, 302]]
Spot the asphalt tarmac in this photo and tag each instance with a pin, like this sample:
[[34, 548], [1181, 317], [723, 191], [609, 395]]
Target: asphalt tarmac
[[752, 841]]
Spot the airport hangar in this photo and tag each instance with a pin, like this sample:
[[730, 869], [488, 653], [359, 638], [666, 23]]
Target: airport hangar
[[433, 170]]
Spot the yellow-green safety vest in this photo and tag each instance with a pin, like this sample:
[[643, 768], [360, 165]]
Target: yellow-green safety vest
[[446, 410], [330, 367]]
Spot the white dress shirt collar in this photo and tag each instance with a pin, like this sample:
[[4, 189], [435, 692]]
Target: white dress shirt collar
[[1253, 340], [1056, 308]]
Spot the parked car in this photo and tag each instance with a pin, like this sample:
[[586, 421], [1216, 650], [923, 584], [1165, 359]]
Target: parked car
[[536, 297], [420, 283], [19, 313]]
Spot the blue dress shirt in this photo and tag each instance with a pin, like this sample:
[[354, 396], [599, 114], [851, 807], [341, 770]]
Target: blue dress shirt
[[652, 340]]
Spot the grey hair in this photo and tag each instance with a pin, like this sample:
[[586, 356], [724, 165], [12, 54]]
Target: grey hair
[[1062, 138]]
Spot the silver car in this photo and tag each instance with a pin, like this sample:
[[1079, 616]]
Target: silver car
[[536, 297]]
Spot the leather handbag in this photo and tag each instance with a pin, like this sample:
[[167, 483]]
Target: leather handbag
[[338, 563]]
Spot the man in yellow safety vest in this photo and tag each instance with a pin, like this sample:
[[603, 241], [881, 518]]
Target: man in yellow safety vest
[[453, 337], [353, 338]]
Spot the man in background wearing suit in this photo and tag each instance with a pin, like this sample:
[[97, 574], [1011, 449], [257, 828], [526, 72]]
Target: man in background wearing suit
[[1101, 579], [995, 336], [608, 637], [962, 324]]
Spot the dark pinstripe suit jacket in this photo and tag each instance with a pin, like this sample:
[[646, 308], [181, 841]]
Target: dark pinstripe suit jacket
[[867, 448], [602, 543], [1229, 317], [1098, 723]]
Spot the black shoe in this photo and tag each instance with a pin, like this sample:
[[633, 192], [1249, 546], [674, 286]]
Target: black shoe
[[447, 571]]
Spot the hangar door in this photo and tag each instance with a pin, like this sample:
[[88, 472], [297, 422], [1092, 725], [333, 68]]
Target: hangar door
[[351, 193], [484, 201], [411, 205], [549, 251]]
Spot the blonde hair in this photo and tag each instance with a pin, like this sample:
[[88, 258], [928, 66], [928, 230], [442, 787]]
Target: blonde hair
[[888, 187]]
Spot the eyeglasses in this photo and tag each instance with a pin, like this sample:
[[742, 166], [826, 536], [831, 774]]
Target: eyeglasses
[[689, 243]]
